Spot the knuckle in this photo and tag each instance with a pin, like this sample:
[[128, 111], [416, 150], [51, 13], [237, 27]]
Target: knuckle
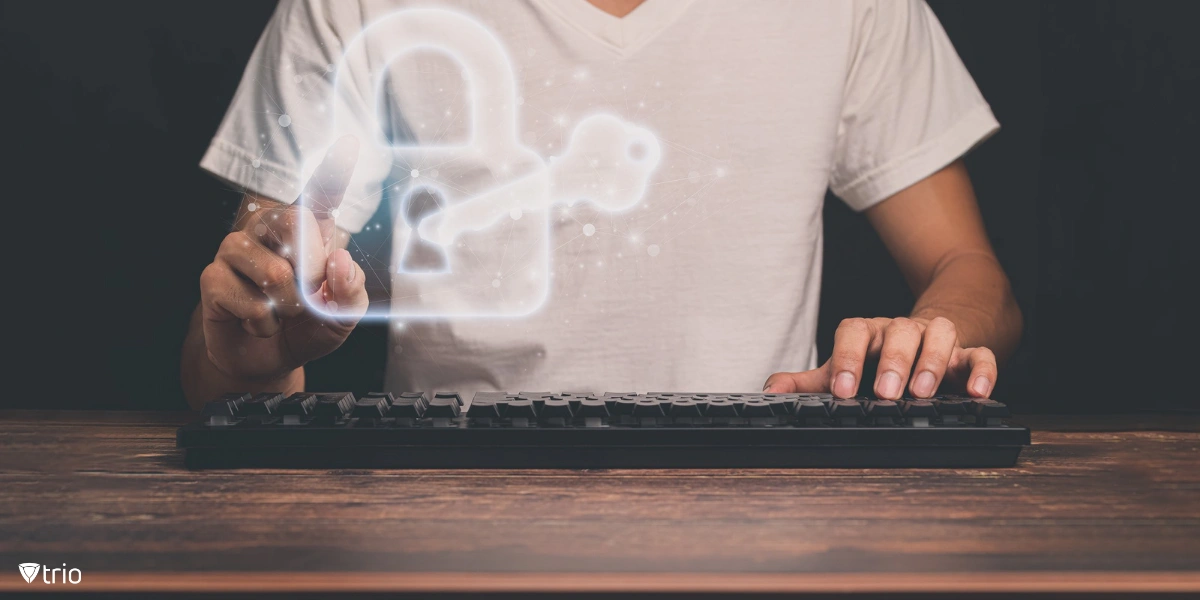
[[278, 274], [234, 242], [847, 360], [942, 323], [854, 325], [934, 359], [896, 357], [903, 326]]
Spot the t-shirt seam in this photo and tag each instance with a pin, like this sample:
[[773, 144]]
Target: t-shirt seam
[[847, 191]]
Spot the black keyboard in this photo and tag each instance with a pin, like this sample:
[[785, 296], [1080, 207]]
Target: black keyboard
[[611, 430]]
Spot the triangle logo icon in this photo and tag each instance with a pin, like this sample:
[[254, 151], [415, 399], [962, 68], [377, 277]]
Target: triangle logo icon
[[29, 571]]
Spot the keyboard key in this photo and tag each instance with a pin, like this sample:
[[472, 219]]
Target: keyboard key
[[721, 408], [520, 409], [556, 408], [370, 408], [484, 407], [757, 409], [227, 406], [333, 407], [685, 407], [262, 404], [444, 406], [592, 407], [919, 408], [410, 405], [385, 395], [647, 407], [623, 406], [448, 396], [811, 409], [984, 408], [846, 409], [882, 409], [300, 404]]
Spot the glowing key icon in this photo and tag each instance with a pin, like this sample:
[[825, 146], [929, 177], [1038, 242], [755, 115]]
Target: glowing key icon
[[29, 571]]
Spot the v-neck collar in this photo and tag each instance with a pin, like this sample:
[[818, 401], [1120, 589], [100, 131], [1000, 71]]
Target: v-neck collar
[[621, 35]]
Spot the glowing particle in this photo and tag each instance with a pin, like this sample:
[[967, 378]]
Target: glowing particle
[[333, 305], [589, 230], [652, 250], [414, 173], [252, 207], [515, 213], [260, 230], [256, 163], [335, 212], [721, 172], [284, 120], [495, 283]]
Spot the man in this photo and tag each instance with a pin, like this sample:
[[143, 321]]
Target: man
[[713, 283]]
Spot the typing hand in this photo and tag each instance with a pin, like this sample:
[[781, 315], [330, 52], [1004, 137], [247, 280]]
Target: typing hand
[[928, 350], [256, 323]]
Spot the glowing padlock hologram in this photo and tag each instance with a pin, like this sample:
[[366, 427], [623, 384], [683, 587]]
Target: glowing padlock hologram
[[607, 161]]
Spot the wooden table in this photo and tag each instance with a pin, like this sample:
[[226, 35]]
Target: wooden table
[[1096, 505]]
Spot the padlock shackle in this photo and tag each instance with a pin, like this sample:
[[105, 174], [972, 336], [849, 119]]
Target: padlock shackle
[[487, 70]]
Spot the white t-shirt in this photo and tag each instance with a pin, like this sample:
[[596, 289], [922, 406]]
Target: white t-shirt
[[712, 282]]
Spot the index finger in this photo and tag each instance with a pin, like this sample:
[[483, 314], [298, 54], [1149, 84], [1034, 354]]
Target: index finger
[[324, 191]]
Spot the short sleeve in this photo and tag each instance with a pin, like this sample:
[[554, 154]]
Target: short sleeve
[[909, 107], [279, 123]]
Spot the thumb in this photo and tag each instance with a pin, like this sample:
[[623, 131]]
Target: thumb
[[345, 288], [324, 191], [814, 381]]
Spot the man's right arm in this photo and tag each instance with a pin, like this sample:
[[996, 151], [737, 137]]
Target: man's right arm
[[254, 329]]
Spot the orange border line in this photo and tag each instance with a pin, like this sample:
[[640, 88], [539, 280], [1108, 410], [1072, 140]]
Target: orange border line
[[341, 581]]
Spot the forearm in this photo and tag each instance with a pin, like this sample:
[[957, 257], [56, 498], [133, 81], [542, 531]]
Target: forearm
[[202, 381], [971, 290]]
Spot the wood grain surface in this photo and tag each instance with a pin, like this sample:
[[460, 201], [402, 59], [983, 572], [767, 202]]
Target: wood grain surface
[[1094, 500]]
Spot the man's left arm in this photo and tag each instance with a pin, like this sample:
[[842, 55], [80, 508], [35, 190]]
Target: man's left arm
[[965, 318]]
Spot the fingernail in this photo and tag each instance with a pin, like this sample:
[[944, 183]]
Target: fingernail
[[843, 384], [889, 384], [980, 388], [923, 384], [352, 274]]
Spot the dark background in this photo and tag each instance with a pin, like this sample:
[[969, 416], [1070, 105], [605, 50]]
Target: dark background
[[1088, 192]]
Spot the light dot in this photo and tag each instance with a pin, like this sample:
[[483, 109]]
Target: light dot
[[260, 230], [335, 212], [495, 283], [333, 305], [284, 120], [397, 349], [515, 213], [721, 171], [652, 250], [256, 163], [252, 207], [414, 173], [589, 230]]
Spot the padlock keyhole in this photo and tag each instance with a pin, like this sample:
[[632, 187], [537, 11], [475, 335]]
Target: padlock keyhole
[[420, 255]]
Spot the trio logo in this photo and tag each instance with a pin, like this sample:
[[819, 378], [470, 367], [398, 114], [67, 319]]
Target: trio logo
[[30, 571]]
